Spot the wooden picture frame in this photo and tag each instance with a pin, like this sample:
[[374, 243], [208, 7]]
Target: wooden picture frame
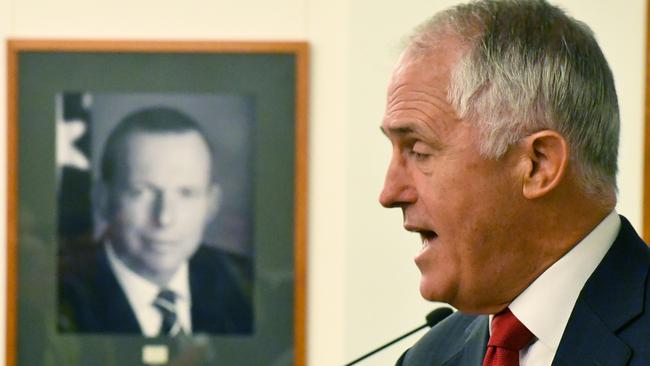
[[646, 138], [272, 77]]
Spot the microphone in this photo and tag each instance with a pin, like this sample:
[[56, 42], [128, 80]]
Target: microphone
[[433, 318]]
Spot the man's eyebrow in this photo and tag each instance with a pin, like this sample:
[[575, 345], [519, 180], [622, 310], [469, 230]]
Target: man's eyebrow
[[398, 130]]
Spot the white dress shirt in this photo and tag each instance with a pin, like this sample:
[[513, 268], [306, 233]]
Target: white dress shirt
[[141, 294], [546, 305]]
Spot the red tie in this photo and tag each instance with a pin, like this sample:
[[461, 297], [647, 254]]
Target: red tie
[[508, 337]]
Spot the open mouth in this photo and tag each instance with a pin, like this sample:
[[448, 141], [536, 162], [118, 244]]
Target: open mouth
[[427, 237]]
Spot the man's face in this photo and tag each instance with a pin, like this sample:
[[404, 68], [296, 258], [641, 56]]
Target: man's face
[[463, 206], [160, 201]]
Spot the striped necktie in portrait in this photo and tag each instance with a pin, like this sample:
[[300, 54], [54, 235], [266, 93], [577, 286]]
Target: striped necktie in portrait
[[165, 302]]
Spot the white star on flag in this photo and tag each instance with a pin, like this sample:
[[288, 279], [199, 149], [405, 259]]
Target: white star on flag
[[67, 133]]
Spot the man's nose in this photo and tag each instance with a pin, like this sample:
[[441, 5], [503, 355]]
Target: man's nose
[[398, 189], [164, 209]]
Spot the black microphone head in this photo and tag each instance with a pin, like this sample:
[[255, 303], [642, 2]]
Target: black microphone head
[[437, 315]]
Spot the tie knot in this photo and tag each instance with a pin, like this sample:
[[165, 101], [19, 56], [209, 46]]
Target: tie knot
[[508, 332], [166, 299]]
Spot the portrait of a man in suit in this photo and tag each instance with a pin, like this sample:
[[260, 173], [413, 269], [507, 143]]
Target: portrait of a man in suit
[[503, 122], [149, 272]]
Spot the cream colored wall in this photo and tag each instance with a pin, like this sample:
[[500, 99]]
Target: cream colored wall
[[362, 282]]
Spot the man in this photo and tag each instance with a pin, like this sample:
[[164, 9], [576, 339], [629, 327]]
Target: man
[[151, 274], [504, 123]]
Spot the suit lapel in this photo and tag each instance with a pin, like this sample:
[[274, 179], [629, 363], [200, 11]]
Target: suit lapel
[[611, 298], [476, 338], [588, 341], [470, 349], [202, 308], [459, 340], [208, 300], [117, 313]]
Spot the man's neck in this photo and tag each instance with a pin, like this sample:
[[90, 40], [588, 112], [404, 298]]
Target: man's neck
[[159, 278]]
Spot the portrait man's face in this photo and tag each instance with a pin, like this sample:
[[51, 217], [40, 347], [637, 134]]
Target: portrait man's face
[[160, 200], [463, 205]]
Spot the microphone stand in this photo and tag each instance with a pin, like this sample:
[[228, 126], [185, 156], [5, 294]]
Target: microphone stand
[[433, 318], [385, 345]]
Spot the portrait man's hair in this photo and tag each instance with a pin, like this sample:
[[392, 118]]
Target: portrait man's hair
[[150, 120]]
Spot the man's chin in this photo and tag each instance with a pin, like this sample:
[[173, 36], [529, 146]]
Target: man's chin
[[430, 291], [160, 274], [438, 291]]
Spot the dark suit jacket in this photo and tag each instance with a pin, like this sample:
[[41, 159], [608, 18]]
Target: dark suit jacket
[[92, 301], [609, 325]]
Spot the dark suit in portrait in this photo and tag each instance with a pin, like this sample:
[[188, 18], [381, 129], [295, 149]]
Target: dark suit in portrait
[[609, 325], [92, 301]]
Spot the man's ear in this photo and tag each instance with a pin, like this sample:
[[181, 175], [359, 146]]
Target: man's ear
[[547, 155], [101, 200], [214, 201], [102, 208]]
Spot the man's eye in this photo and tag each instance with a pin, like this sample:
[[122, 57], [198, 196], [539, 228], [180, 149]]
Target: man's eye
[[135, 191], [419, 151], [419, 156], [189, 192]]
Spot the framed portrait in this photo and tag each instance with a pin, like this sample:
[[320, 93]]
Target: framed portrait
[[156, 203]]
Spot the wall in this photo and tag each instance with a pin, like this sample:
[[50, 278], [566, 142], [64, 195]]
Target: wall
[[362, 282]]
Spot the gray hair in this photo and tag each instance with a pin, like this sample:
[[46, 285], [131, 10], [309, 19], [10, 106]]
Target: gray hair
[[531, 67]]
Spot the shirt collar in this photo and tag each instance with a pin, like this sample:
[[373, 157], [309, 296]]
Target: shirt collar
[[546, 305], [139, 290]]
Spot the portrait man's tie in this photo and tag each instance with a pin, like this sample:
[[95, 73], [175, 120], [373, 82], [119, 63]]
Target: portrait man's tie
[[165, 302], [509, 336]]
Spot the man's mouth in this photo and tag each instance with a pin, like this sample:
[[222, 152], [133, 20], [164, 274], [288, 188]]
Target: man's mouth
[[427, 237], [160, 244]]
